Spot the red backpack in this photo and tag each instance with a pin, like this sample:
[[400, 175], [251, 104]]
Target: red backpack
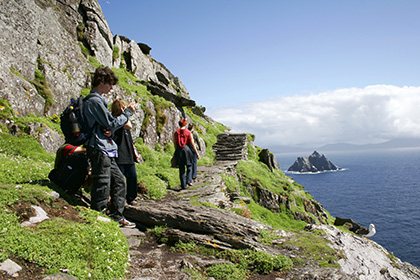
[[183, 136]]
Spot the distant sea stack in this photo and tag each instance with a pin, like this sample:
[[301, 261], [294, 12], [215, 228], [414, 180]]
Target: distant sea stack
[[314, 163]]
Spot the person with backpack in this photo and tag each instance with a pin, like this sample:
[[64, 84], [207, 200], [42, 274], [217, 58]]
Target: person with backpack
[[127, 154], [108, 181], [183, 140]]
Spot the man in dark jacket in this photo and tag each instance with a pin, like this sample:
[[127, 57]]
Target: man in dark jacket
[[108, 181]]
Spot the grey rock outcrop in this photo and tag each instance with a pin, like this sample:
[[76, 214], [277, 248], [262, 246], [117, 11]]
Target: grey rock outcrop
[[349, 224], [35, 35], [364, 259], [46, 49], [40, 215], [10, 267], [314, 163], [231, 146], [59, 276], [275, 202], [269, 159]]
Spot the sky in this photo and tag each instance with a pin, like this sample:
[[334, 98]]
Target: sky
[[293, 72]]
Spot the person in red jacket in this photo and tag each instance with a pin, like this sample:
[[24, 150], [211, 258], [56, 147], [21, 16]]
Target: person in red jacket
[[183, 153]]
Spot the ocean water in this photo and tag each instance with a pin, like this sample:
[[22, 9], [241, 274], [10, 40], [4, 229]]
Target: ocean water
[[379, 187]]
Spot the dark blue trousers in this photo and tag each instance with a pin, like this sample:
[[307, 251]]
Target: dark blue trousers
[[185, 179], [184, 158], [194, 166]]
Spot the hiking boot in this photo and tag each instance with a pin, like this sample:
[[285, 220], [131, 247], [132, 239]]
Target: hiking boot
[[126, 224]]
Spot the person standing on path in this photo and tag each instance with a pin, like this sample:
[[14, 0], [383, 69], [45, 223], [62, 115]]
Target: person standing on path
[[108, 181], [183, 153], [127, 154]]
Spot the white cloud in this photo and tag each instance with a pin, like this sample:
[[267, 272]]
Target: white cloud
[[352, 115]]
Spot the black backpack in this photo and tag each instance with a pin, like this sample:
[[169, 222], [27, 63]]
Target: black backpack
[[71, 172], [73, 123]]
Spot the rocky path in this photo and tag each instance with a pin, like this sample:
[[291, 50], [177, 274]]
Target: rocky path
[[151, 260]]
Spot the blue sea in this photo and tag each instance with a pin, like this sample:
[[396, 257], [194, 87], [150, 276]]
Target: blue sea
[[380, 187]]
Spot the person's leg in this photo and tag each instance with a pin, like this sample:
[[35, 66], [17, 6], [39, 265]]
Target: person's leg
[[101, 172], [189, 174], [131, 175], [182, 176], [118, 191], [194, 166]]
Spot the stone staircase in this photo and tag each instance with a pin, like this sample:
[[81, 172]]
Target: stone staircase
[[231, 147]]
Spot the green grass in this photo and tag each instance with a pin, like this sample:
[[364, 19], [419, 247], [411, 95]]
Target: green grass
[[259, 172], [239, 262], [156, 172], [43, 89], [115, 53], [282, 220], [5, 109], [89, 250], [261, 262], [22, 159], [315, 247], [227, 271]]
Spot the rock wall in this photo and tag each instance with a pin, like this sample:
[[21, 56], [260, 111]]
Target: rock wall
[[40, 36], [45, 50], [231, 146]]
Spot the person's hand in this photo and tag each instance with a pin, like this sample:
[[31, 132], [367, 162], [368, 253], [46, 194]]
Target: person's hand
[[131, 107], [128, 125]]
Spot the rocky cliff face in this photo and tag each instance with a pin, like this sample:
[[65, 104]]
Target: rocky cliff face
[[314, 163], [48, 50]]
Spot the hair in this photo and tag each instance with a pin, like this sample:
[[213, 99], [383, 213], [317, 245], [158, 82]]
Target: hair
[[104, 75], [117, 107], [182, 123], [190, 126]]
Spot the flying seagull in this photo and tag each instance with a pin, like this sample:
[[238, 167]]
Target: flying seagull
[[367, 233]]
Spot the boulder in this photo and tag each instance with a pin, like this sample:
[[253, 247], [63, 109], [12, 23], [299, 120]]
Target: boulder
[[269, 159]]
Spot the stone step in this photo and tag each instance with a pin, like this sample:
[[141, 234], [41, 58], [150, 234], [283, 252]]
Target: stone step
[[231, 147]]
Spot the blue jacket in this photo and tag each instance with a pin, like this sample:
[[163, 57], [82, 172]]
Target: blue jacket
[[95, 110]]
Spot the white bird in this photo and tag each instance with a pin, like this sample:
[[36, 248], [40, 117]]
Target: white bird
[[365, 233]]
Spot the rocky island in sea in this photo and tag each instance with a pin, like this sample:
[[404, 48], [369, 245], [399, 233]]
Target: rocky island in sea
[[314, 163]]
